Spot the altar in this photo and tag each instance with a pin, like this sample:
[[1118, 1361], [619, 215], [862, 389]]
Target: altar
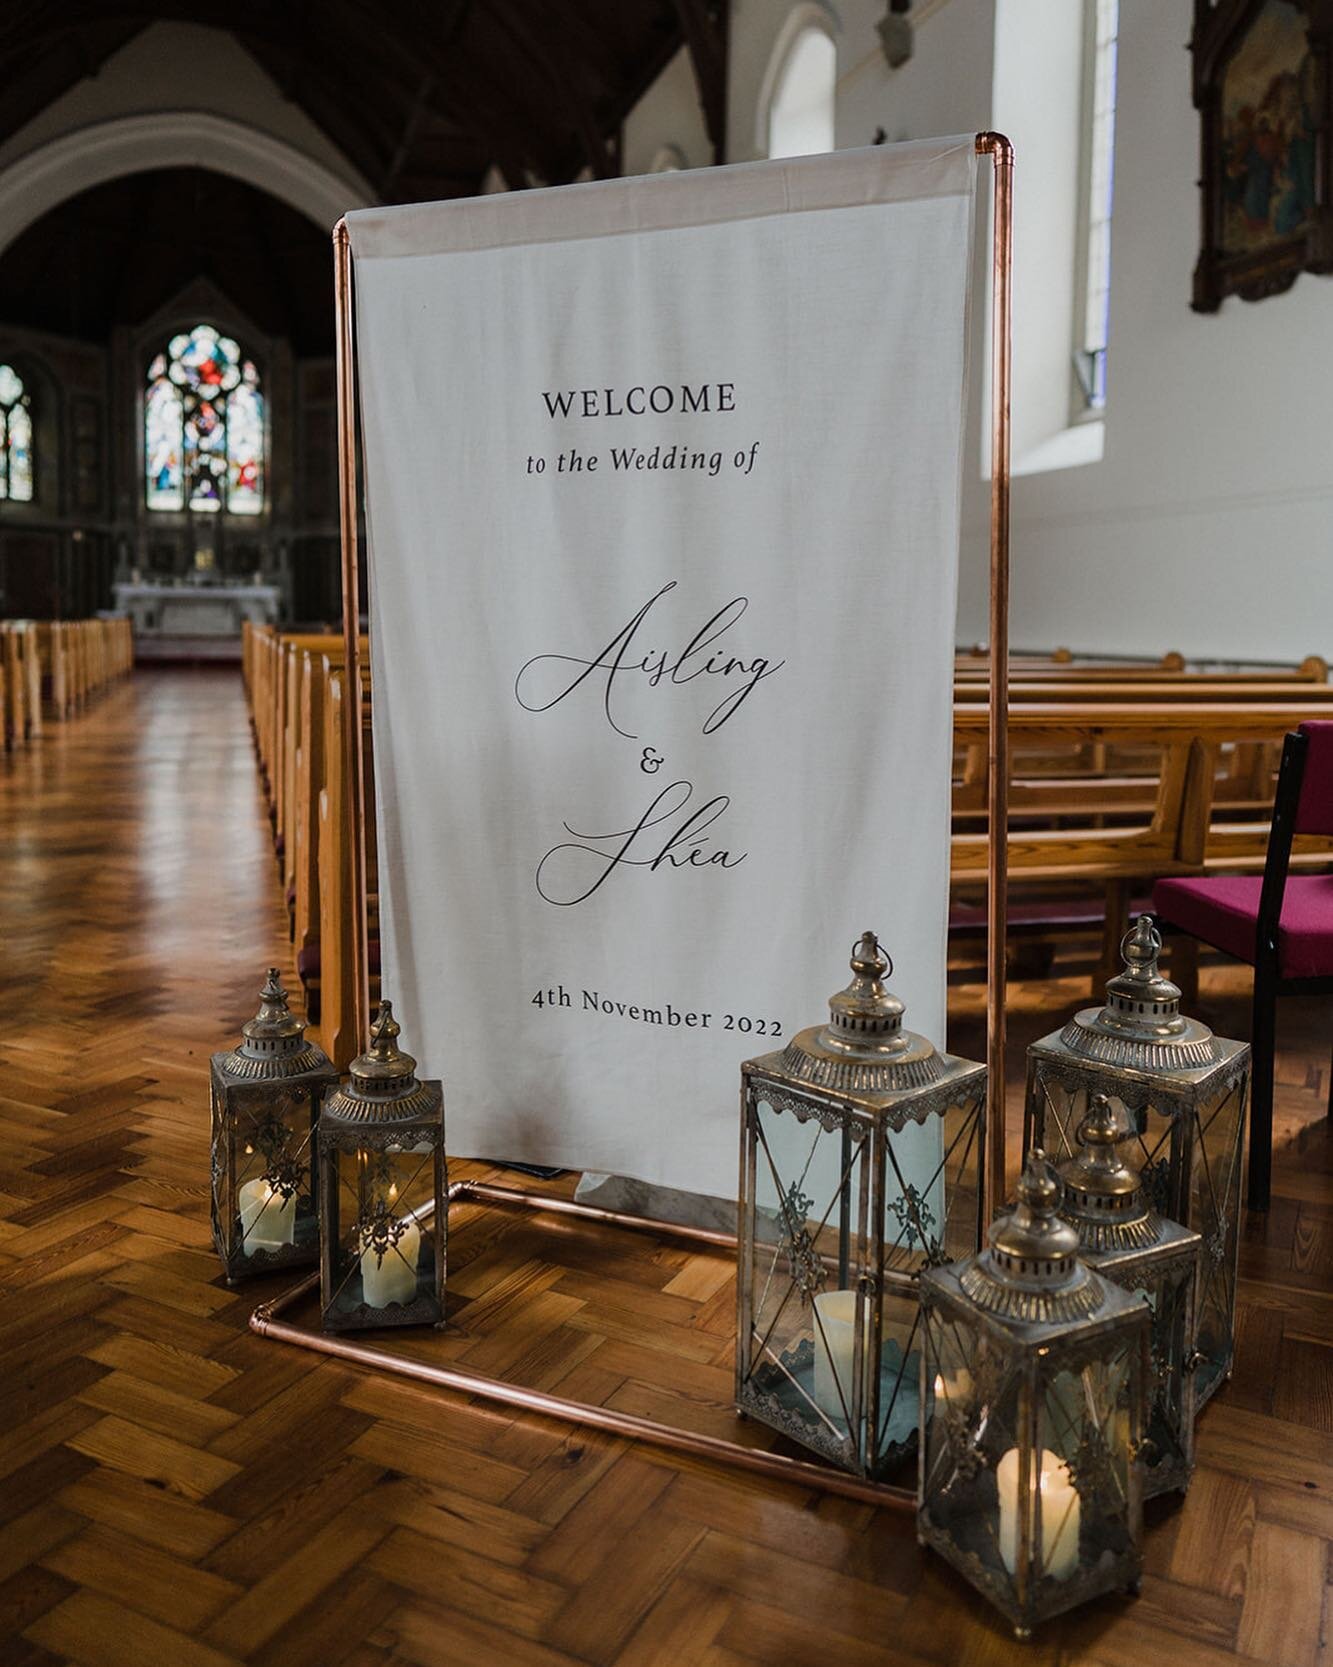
[[194, 621]]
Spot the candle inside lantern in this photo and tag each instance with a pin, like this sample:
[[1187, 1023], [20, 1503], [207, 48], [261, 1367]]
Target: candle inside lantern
[[835, 1344], [1059, 1514], [268, 1220], [953, 1388], [393, 1276]]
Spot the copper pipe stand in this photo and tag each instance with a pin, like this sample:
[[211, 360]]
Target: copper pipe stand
[[266, 1322]]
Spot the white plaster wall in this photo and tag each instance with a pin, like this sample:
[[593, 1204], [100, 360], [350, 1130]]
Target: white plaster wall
[[668, 114], [1208, 526]]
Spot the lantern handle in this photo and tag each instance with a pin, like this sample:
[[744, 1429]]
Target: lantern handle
[[1142, 943], [888, 959]]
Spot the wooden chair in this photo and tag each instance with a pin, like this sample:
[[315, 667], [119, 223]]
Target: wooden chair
[[1279, 923]]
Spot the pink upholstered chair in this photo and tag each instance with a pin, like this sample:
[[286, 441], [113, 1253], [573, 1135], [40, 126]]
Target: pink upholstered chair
[[1281, 924]]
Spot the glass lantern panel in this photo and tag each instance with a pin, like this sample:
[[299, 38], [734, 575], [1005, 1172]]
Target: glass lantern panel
[[900, 1374], [274, 1203], [1082, 1503], [385, 1226], [1168, 1342], [810, 1257], [975, 1393], [931, 1191], [1214, 1207]]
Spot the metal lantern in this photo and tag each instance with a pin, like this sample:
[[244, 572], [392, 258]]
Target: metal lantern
[[862, 1156], [383, 1192], [1033, 1380], [1127, 1242], [265, 1099], [1185, 1092]]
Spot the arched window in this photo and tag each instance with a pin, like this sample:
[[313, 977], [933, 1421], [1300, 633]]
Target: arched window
[[801, 109], [204, 426], [1103, 27], [15, 438]]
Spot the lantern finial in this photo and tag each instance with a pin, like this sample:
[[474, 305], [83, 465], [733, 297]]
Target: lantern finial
[[274, 1021], [1141, 1025], [1103, 1195], [1141, 987], [273, 1042], [866, 1019], [868, 958], [384, 1068], [1031, 1271]]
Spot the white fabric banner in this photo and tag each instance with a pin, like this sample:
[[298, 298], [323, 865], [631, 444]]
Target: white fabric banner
[[662, 485]]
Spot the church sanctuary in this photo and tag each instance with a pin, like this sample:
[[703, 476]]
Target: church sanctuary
[[666, 834]]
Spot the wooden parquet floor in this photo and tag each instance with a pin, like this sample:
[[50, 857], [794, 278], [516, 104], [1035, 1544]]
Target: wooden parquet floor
[[175, 1490]]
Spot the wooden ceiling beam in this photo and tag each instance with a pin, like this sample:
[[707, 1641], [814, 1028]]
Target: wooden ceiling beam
[[539, 90], [411, 128], [549, 57], [704, 25]]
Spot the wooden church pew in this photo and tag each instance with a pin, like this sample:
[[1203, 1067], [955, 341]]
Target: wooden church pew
[[1199, 800], [1175, 830], [16, 684], [338, 998], [1170, 670]]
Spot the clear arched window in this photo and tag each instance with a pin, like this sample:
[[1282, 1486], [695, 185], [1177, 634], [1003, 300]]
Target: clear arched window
[[204, 426], [15, 438], [801, 111]]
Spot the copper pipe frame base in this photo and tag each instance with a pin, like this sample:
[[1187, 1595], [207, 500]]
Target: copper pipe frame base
[[265, 1322]]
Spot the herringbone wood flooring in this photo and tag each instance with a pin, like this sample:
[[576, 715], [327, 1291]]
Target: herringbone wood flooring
[[175, 1490]]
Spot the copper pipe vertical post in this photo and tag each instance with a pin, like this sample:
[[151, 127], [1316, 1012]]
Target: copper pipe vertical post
[[353, 751], [1001, 152]]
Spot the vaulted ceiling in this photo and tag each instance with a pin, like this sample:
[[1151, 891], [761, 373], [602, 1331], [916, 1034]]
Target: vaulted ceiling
[[423, 96], [117, 253]]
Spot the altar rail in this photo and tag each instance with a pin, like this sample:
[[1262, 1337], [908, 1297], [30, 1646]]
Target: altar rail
[[49, 670], [1112, 785]]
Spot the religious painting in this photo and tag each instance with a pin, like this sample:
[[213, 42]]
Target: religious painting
[[1261, 84]]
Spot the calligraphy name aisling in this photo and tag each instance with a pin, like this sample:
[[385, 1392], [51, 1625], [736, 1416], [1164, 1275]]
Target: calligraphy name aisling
[[662, 840], [624, 657]]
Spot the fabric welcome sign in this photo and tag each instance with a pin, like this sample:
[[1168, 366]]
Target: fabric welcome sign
[[662, 482]]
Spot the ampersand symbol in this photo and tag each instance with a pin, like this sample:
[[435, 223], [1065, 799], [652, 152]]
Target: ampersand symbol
[[651, 762]]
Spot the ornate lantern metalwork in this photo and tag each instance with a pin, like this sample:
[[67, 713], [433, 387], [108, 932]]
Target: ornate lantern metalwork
[[1185, 1093], [1127, 1242], [862, 1157], [1033, 1384], [383, 1192], [265, 1100]]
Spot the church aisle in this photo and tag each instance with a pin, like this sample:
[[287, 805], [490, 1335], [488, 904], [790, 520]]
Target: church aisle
[[174, 1489]]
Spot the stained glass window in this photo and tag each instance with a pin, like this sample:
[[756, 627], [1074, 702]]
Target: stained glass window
[[204, 426], [15, 438]]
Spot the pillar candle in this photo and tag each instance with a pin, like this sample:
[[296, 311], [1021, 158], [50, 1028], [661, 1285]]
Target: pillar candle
[[953, 1388], [393, 1277], [268, 1220], [1059, 1514], [835, 1341]]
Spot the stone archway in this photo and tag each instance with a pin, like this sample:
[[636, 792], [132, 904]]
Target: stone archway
[[34, 184]]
